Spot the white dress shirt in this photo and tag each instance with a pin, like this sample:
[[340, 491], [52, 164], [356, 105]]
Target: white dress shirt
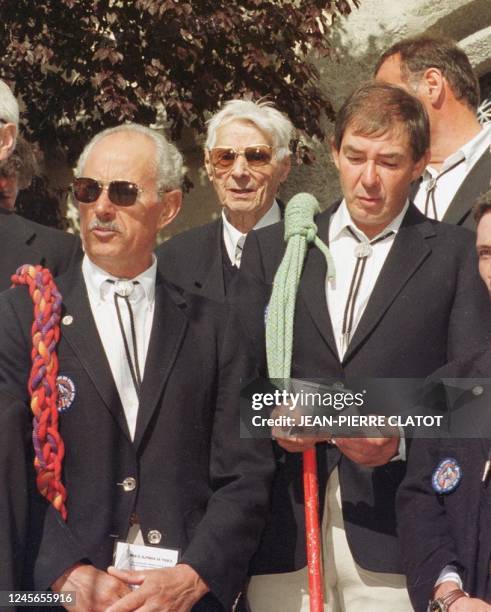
[[342, 245], [448, 185], [234, 240], [142, 300]]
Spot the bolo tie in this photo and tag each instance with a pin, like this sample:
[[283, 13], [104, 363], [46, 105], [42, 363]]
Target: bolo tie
[[122, 291], [431, 188], [363, 250]]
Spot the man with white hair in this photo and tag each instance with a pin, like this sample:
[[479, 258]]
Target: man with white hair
[[9, 120], [23, 241], [148, 395], [247, 157]]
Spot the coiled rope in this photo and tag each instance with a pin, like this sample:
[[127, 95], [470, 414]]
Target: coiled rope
[[300, 230]]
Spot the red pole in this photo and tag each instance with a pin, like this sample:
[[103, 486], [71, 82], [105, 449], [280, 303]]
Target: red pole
[[312, 531]]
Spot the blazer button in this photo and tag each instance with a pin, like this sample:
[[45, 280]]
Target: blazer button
[[128, 484], [477, 390], [154, 536]]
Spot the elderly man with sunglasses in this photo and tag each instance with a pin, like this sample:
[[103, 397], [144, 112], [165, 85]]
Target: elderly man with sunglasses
[[148, 397], [247, 157]]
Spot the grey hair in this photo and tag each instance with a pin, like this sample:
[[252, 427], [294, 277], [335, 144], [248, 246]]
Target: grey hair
[[9, 108], [262, 114], [168, 160]]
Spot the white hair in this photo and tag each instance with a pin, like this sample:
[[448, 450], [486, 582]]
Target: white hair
[[262, 114], [168, 160], [9, 109]]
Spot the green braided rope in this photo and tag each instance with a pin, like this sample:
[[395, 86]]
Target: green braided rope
[[300, 229]]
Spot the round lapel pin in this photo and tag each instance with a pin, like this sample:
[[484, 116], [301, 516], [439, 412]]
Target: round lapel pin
[[446, 476], [66, 393]]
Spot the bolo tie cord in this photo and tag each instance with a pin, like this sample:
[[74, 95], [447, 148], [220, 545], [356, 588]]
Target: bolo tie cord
[[361, 260], [430, 190], [133, 362]]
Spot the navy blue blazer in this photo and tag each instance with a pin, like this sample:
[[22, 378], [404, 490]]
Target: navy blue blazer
[[440, 529], [198, 483], [428, 307]]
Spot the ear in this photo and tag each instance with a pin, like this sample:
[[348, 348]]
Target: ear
[[170, 210], [432, 86], [208, 166], [7, 140], [420, 165], [335, 154]]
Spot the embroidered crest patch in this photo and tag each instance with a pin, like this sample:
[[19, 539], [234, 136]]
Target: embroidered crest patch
[[446, 476], [66, 393]]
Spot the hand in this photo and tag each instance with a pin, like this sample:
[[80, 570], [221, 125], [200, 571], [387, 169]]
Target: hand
[[95, 590], [462, 604], [469, 604], [173, 589], [370, 452], [296, 444], [292, 443]]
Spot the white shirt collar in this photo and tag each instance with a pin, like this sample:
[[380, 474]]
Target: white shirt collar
[[96, 280], [341, 220], [471, 151], [232, 236]]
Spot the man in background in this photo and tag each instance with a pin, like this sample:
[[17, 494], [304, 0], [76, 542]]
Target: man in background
[[440, 75], [247, 157], [23, 241], [16, 173]]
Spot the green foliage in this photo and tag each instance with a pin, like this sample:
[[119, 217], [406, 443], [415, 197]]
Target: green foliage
[[82, 65]]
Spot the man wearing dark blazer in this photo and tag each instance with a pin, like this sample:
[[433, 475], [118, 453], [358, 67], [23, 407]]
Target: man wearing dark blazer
[[247, 157], [419, 303], [439, 73], [23, 241], [148, 405], [444, 524]]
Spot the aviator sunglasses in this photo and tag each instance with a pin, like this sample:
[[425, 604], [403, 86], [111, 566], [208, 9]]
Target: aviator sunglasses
[[121, 193], [255, 155]]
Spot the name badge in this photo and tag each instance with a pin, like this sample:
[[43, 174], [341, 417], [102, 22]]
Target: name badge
[[138, 557]]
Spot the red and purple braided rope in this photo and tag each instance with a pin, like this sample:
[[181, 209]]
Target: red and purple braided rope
[[48, 444]]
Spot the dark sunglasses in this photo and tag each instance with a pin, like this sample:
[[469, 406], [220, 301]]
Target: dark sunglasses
[[121, 193], [255, 155]]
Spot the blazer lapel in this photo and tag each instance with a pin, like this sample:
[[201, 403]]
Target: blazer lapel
[[209, 275], [313, 283], [82, 335], [408, 252], [168, 329], [475, 183]]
